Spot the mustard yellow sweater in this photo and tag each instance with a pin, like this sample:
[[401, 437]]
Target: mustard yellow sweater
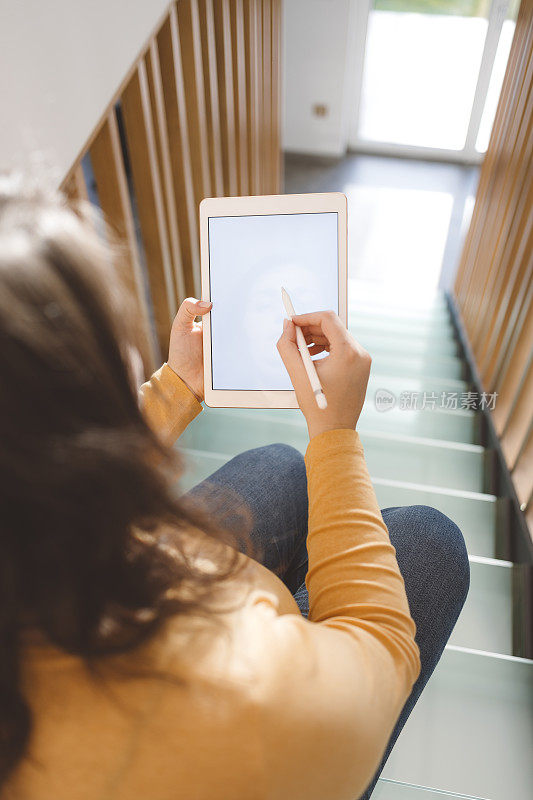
[[272, 705]]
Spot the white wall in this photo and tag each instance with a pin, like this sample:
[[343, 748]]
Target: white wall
[[318, 52], [60, 63]]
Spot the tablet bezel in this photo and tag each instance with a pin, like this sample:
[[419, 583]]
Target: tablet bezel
[[264, 205]]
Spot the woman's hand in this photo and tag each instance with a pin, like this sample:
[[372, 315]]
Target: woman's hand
[[343, 373], [185, 354]]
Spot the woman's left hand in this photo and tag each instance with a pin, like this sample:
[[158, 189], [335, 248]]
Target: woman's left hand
[[185, 355]]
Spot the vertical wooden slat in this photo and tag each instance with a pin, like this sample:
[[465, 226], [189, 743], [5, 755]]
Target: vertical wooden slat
[[149, 197], [266, 126], [112, 186], [173, 94], [225, 94], [522, 473], [501, 169], [188, 31], [239, 93], [517, 318], [275, 95], [513, 375], [209, 60], [520, 420], [512, 286], [74, 186], [254, 89], [163, 157], [512, 81], [508, 191], [494, 288]]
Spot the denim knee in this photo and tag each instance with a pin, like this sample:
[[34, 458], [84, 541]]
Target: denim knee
[[285, 458], [443, 543]]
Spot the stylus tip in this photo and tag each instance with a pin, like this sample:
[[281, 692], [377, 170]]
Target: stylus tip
[[321, 401]]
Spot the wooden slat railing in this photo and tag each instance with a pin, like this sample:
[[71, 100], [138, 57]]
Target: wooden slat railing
[[494, 286], [198, 115]]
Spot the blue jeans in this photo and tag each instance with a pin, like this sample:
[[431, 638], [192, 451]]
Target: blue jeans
[[270, 482]]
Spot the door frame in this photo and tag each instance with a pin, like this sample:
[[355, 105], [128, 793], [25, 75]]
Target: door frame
[[469, 154]]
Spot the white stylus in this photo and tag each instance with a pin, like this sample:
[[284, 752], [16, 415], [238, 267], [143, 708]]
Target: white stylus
[[304, 352]]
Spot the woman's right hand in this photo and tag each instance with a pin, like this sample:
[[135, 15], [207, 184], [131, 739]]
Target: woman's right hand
[[343, 373]]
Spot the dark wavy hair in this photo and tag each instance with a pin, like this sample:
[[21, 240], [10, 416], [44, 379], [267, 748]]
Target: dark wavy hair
[[85, 485]]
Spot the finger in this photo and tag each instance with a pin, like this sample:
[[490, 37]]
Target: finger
[[312, 330], [317, 348], [190, 309], [328, 322], [315, 338]]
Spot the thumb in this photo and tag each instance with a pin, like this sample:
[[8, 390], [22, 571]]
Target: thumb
[[290, 355], [190, 309]]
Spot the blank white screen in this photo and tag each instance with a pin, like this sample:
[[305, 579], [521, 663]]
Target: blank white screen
[[250, 259]]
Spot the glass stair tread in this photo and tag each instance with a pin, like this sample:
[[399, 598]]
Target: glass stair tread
[[486, 621], [385, 326], [470, 732], [404, 344], [453, 426], [425, 461], [414, 316], [409, 384], [395, 323], [385, 363], [474, 513]]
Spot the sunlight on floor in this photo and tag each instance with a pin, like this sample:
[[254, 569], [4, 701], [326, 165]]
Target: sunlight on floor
[[397, 238]]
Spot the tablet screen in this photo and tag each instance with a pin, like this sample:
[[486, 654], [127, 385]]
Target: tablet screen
[[250, 259]]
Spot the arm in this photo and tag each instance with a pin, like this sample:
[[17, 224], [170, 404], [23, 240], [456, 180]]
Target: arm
[[168, 404], [333, 686], [354, 581], [172, 397]]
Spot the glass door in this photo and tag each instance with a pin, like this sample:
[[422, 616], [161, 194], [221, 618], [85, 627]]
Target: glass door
[[431, 77]]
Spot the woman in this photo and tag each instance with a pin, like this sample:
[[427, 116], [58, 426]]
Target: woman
[[142, 656]]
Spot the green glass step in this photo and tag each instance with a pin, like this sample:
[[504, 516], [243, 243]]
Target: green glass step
[[451, 465], [393, 790], [486, 621], [452, 426], [409, 384], [427, 330], [474, 513], [470, 732], [402, 344], [410, 316], [448, 464], [423, 326], [385, 363]]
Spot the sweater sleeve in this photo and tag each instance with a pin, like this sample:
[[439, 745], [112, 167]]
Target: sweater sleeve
[[354, 581], [333, 686], [168, 404]]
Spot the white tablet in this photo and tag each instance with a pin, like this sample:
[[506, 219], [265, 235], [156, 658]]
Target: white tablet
[[250, 248]]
